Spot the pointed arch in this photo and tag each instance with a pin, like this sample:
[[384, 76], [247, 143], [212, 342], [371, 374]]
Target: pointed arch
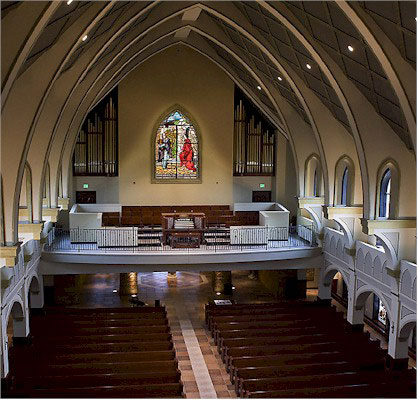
[[344, 182], [176, 148], [387, 191], [313, 176]]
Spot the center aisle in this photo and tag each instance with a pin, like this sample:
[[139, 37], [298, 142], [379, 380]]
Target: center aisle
[[203, 372]]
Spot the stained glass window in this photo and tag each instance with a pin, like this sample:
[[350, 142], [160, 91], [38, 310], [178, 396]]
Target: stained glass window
[[176, 149]]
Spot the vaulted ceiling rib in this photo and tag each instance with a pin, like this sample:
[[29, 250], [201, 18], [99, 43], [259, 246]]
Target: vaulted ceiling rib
[[325, 21], [328, 25]]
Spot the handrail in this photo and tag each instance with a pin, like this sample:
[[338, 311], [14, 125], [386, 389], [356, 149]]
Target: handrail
[[134, 239]]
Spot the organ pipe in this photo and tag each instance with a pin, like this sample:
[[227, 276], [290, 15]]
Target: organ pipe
[[95, 152], [254, 140]]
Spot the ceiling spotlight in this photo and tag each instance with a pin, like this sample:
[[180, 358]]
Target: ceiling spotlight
[[279, 78], [134, 295], [308, 66], [69, 2], [218, 293], [115, 290], [351, 48], [259, 87], [84, 38]]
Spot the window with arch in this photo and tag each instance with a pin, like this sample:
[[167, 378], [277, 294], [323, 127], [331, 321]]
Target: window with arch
[[313, 177], [344, 182], [344, 187], [384, 196], [176, 149], [379, 310]]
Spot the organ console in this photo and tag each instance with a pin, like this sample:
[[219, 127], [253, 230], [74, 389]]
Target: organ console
[[183, 229]]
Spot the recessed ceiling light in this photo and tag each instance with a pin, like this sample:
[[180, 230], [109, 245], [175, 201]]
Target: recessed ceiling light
[[218, 293], [351, 48], [259, 87], [279, 78], [115, 290], [84, 38], [308, 66], [69, 2]]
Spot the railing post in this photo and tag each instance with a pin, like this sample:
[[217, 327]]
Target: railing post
[[313, 238]]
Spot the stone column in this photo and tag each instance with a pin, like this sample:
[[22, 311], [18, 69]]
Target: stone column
[[397, 357], [301, 284], [222, 282], [128, 283], [67, 289], [355, 313]]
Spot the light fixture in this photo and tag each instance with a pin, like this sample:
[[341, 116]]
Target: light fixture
[[69, 2], [279, 78], [134, 295], [84, 38], [308, 66], [115, 290], [218, 293], [259, 87], [233, 287], [351, 48]]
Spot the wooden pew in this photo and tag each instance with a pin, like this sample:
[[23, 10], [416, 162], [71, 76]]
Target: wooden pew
[[61, 359], [259, 325], [167, 390], [211, 313], [92, 380], [229, 344], [301, 370], [142, 343], [105, 312], [313, 381], [381, 390], [295, 354], [99, 368], [75, 324], [102, 338], [282, 360], [158, 326], [120, 357], [271, 332]]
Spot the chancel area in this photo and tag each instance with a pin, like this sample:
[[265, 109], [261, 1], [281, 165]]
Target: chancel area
[[208, 199]]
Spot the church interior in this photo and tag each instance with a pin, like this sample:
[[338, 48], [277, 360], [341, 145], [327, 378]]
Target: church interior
[[209, 199]]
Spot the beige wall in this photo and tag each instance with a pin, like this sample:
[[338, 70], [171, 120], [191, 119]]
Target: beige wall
[[107, 188], [245, 185], [176, 76]]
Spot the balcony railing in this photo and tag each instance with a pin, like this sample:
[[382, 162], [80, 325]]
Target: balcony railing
[[138, 240]]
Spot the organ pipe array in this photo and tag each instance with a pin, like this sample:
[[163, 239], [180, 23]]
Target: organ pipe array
[[96, 149], [254, 141]]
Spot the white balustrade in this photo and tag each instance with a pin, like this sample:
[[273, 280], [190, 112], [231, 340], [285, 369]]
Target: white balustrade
[[248, 235]]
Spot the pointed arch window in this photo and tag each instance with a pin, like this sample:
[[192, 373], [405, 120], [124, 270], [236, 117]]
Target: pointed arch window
[[384, 203], [176, 150], [315, 184], [344, 187]]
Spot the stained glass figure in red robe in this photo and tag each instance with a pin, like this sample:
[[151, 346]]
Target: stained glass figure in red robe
[[186, 155]]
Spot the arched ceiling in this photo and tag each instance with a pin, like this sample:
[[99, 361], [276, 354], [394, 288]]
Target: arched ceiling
[[397, 20], [265, 47], [328, 24], [325, 21]]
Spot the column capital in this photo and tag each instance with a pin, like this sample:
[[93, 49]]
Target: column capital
[[9, 254]]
